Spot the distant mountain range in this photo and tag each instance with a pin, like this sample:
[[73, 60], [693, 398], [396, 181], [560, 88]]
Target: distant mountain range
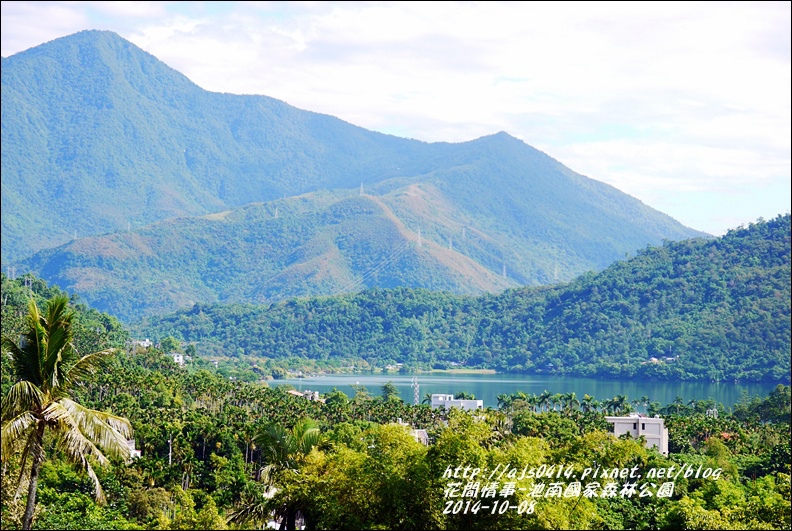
[[127, 183]]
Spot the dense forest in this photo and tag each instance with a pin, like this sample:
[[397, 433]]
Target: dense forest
[[693, 310], [219, 453]]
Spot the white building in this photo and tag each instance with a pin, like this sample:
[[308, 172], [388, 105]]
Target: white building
[[653, 429], [133, 452], [178, 358], [448, 401]]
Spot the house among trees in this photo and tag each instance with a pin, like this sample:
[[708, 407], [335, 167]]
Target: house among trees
[[134, 453], [448, 401], [652, 429]]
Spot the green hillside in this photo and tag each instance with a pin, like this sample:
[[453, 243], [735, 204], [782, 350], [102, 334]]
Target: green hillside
[[100, 137], [320, 243], [697, 309]]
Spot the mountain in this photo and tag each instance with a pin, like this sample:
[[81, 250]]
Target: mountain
[[692, 310], [106, 150]]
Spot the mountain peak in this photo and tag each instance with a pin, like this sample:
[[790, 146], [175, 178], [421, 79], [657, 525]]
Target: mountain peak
[[118, 141]]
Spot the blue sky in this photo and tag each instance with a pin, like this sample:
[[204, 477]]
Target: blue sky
[[685, 106]]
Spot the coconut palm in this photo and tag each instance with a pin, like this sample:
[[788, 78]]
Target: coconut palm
[[46, 364], [283, 451]]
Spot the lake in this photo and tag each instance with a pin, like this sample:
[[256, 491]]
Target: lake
[[487, 387]]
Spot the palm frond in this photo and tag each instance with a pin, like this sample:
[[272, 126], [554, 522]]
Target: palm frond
[[267, 474], [72, 441], [24, 359], [107, 431], [13, 431], [57, 351], [23, 396], [75, 445], [35, 341], [86, 366], [309, 440], [251, 511], [276, 445]]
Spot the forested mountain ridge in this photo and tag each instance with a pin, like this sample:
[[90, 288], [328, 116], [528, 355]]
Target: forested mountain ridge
[[697, 309], [118, 141]]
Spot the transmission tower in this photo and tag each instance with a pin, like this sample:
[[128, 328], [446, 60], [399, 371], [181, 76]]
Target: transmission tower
[[416, 392]]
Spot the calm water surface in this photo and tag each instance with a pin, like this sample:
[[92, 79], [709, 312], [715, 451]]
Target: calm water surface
[[487, 387]]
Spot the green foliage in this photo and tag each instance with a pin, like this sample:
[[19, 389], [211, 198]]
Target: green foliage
[[390, 391], [777, 407], [693, 310]]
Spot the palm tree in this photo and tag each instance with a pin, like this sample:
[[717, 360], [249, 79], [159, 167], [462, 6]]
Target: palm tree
[[571, 400], [544, 399], [588, 403], [283, 451], [678, 402], [45, 365], [621, 404], [504, 400], [557, 400]]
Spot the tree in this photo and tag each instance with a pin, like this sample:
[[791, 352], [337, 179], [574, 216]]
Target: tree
[[464, 395], [283, 452], [571, 401], [390, 391], [46, 365], [170, 344], [544, 399]]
